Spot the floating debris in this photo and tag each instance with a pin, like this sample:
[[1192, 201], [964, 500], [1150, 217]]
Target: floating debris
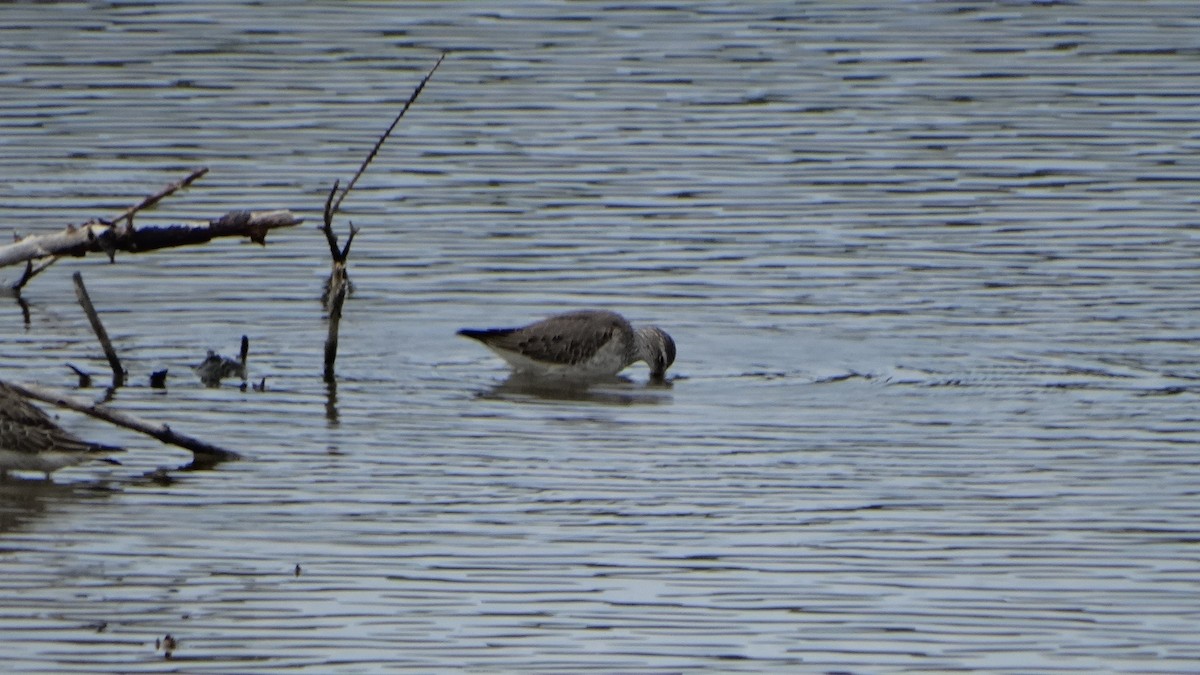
[[167, 645], [85, 378]]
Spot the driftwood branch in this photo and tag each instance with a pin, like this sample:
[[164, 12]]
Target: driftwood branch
[[100, 236], [338, 284], [85, 301], [32, 270], [203, 453]]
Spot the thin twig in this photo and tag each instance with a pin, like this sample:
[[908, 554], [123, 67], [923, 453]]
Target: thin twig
[[349, 240], [327, 227], [151, 200], [378, 144], [86, 302]]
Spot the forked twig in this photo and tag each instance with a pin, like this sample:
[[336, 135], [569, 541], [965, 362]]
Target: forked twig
[[32, 270], [338, 284]]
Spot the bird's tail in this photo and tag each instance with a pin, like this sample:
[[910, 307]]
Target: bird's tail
[[483, 335]]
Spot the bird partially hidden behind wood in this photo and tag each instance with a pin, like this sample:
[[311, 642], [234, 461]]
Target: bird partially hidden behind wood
[[31, 441], [215, 367], [586, 344]]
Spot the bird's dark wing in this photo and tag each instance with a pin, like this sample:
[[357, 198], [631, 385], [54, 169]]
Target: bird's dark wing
[[25, 428], [565, 339]]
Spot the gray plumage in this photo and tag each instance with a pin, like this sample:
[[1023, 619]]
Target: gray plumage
[[583, 344], [31, 441]]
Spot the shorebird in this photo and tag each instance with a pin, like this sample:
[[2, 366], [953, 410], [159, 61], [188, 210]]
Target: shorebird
[[31, 441], [586, 344]]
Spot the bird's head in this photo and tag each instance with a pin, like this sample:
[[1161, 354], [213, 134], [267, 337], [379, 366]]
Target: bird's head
[[657, 349]]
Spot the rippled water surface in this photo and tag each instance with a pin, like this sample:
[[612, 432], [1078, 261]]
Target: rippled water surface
[[931, 266]]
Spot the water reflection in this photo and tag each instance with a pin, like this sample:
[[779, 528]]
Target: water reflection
[[616, 390], [7, 291], [331, 402], [24, 499]]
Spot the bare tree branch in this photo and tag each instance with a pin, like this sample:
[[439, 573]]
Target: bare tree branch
[[204, 453], [32, 271], [96, 237], [338, 284]]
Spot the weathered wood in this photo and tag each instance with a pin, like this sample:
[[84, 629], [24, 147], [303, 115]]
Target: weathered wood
[[338, 285], [71, 241], [44, 263], [85, 301], [96, 237], [203, 453]]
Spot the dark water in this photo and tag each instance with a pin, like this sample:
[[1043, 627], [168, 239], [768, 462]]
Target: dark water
[[931, 266]]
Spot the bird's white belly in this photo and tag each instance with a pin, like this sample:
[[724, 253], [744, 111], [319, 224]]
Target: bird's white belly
[[45, 461], [608, 360]]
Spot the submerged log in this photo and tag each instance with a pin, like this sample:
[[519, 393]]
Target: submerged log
[[204, 454], [108, 238]]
